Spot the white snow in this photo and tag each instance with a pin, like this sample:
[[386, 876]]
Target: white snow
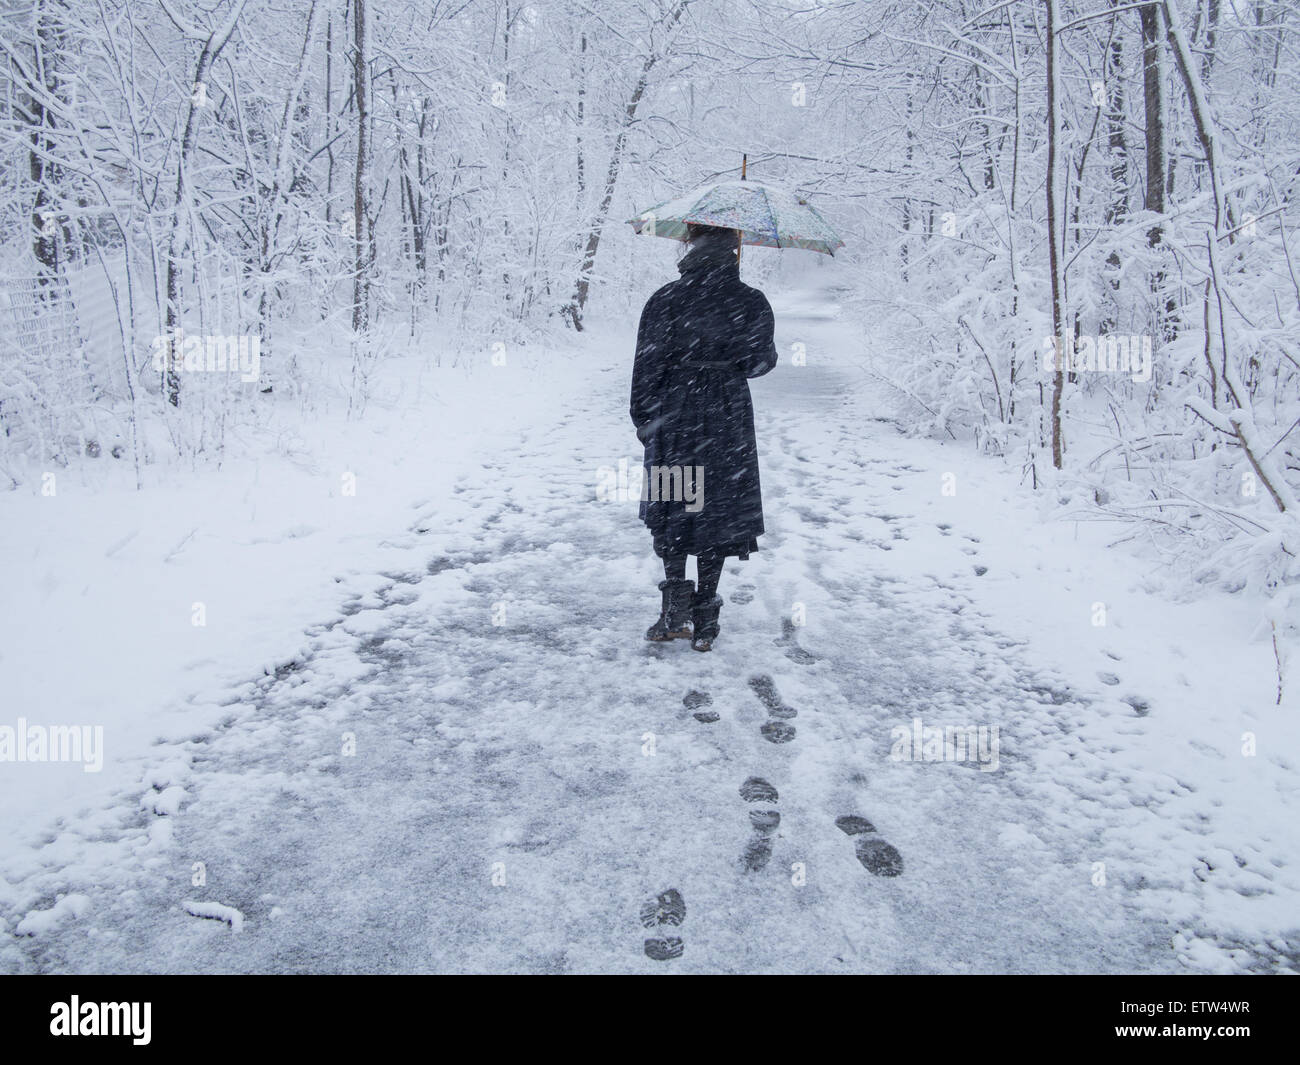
[[421, 731], [42, 922]]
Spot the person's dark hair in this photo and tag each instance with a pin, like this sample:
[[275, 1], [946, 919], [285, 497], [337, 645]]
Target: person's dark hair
[[696, 232]]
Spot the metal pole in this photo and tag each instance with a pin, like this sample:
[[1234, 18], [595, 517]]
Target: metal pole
[[740, 233]]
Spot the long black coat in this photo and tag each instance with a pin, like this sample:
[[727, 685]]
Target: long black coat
[[699, 341]]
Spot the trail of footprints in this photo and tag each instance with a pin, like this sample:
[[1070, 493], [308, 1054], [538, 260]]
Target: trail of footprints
[[876, 855], [667, 910], [775, 730]]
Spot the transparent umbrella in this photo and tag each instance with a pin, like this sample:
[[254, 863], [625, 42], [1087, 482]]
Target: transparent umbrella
[[767, 216]]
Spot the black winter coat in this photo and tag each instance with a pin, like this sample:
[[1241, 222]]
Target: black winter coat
[[699, 341]]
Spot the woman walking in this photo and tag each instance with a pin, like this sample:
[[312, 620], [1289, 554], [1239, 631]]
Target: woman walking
[[700, 339]]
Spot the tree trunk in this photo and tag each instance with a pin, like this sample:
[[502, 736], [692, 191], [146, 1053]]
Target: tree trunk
[[278, 202], [1054, 231], [581, 289], [207, 56], [582, 104], [1116, 107], [1202, 119], [364, 233], [905, 252], [324, 295], [1154, 103], [44, 174], [1117, 143], [1212, 19], [1157, 167]]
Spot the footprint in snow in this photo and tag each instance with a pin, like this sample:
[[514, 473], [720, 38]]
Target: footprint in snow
[[775, 730], [742, 595], [765, 688], [877, 856], [1140, 706], [756, 789], [1046, 693], [790, 645], [699, 702], [758, 851], [665, 910]]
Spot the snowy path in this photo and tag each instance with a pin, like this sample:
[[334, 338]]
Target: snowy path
[[527, 775]]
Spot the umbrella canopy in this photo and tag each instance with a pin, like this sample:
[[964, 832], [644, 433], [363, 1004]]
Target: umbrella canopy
[[766, 216]]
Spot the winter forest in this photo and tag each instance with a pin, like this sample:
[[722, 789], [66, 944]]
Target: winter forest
[[316, 326]]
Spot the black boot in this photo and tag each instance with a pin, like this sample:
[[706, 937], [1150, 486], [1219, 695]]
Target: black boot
[[675, 616], [704, 618]]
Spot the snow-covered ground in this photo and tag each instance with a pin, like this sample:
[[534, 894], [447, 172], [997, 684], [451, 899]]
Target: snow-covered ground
[[420, 729]]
